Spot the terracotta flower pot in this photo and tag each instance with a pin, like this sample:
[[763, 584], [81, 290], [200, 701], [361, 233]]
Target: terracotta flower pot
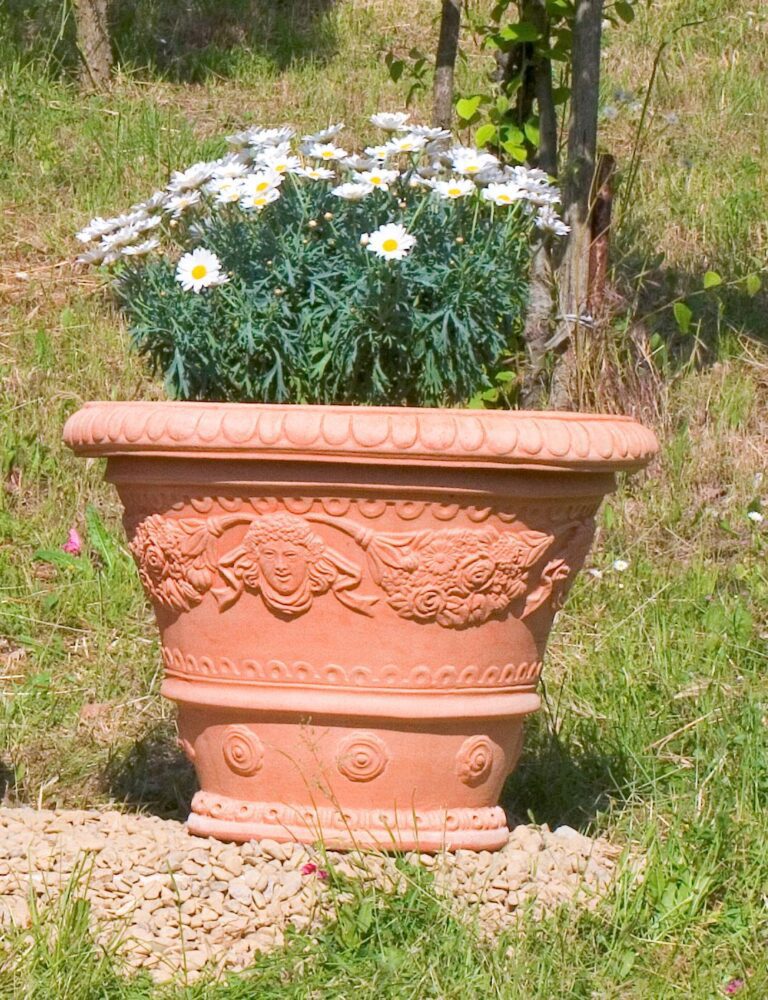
[[354, 602]]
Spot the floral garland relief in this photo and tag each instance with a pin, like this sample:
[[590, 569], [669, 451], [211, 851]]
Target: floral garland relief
[[454, 577]]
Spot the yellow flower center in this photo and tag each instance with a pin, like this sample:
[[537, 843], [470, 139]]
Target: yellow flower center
[[327, 154], [454, 192], [199, 271], [504, 197], [262, 186], [389, 245], [375, 180]]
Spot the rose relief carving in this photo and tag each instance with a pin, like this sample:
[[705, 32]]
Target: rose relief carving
[[454, 577], [176, 559], [362, 756], [243, 750], [474, 760]]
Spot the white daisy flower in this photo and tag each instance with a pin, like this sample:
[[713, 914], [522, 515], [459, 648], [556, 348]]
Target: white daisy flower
[[129, 218], [257, 136], [139, 249], [178, 204], [356, 162], [258, 184], [469, 161], [193, 177], [143, 225], [226, 190], [279, 159], [755, 516], [230, 167], [99, 227], [503, 194], [543, 197], [316, 173], [326, 151], [429, 133], [324, 135], [620, 565], [199, 269], [96, 255], [525, 176], [548, 221], [95, 229], [121, 237], [429, 170], [352, 192], [456, 187], [409, 143], [535, 184], [378, 153], [391, 121], [377, 178], [391, 241], [156, 200], [259, 199]]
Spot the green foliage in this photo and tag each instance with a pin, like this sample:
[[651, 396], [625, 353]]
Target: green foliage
[[311, 315]]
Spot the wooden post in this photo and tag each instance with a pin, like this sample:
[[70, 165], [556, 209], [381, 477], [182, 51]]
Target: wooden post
[[601, 231], [445, 63], [538, 317], [573, 273], [93, 42]]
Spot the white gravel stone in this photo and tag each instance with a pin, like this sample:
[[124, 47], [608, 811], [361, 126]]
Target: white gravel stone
[[184, 905]]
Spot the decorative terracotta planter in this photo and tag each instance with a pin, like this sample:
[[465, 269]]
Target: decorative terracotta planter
[[354, 602]]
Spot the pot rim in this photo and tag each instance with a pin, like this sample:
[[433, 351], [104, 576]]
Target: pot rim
[[496, 439]]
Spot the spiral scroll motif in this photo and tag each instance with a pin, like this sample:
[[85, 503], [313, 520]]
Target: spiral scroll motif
[[474, 760], [243, 750], [362, 756]]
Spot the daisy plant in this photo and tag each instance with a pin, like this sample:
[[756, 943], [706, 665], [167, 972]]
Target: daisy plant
[[293, 270]]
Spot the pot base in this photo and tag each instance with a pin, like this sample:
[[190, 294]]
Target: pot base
[[429, 831]]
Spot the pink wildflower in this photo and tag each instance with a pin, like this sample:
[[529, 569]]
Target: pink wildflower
[[733, 987], [73, 544], [310, 868]]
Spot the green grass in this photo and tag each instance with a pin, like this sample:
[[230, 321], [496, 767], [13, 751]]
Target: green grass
[[654, 730]]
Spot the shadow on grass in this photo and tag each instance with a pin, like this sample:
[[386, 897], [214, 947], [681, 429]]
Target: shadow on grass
[[714, 311], [153, 775], [7, 780], [183, 40], [557, 784]]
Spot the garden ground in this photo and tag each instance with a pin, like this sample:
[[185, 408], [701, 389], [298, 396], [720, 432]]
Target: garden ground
[[656, 718]]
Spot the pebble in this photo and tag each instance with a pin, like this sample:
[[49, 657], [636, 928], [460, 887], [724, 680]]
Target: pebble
[[186, 905]]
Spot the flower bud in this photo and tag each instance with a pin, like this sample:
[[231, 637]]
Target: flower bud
[[312, 223], [459, 240], [328, 216]]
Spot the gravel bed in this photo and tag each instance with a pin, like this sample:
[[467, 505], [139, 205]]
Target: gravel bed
[[180, 903]]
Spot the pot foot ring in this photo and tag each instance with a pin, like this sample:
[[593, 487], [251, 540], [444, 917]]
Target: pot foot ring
[[482, 828]]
